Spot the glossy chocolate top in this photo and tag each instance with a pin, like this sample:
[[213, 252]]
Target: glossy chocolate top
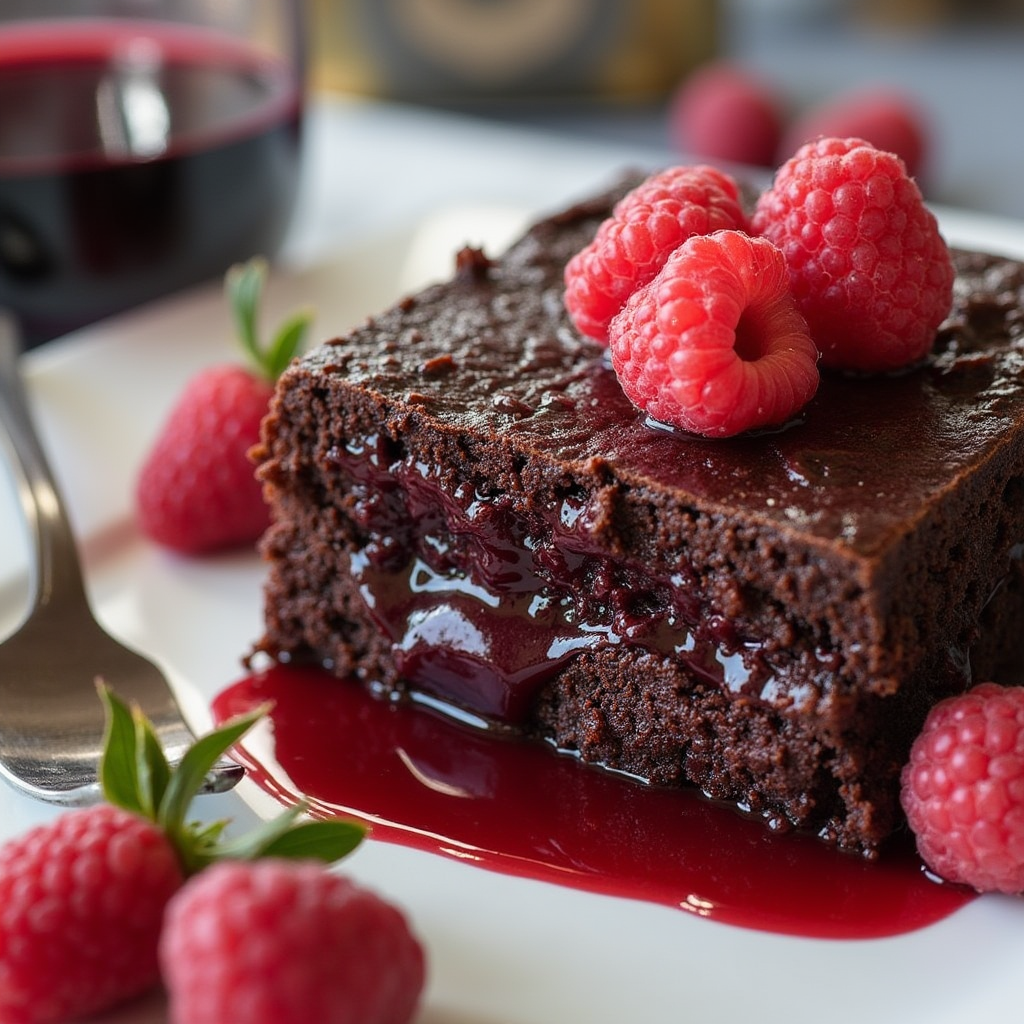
[[495, 351]]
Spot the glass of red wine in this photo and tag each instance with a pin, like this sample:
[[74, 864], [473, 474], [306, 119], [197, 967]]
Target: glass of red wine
[[145, 146]]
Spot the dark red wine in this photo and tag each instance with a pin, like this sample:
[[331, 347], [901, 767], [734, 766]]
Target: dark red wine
[[136, 158], [426, 781]]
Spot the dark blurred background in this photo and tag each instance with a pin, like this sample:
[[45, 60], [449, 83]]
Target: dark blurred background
[[944, 78]]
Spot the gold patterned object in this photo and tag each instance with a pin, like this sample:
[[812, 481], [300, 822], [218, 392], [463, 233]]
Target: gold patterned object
[[452, 50]]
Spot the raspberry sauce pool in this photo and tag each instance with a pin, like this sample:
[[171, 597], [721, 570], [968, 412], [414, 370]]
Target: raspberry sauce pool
[[136, 158], [425, 780]]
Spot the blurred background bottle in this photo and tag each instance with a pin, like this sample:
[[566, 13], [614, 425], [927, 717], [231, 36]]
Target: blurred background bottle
[[477, 52], [938, 80]]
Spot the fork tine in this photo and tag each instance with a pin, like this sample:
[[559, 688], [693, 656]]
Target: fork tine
[[51, 721]]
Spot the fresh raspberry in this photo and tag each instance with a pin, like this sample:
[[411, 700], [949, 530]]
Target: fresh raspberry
[[868, 266], [81, 904], [287, 943], [197, 490], [723, 112], [886, 119], [83, 899], [963, 789], [631, 246], [715, 344]]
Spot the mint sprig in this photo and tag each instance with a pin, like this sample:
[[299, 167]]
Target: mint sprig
[[136, 776], [244, 285]]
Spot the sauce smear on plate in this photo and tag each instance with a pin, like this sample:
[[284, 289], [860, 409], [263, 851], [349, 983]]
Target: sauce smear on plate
[[424, 780]]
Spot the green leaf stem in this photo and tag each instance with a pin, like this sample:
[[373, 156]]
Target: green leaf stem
[[244, 285], [136, 776]]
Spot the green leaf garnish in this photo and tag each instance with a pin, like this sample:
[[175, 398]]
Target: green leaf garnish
[[244, 286], [135, 775], [118, 774], [327, 840], [188, 776], [251, 845], [290, 338], [153, 771]]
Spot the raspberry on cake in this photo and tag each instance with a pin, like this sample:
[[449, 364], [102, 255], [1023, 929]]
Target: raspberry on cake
[[467, 506], [647, 224], [715, 343], [869, 269]]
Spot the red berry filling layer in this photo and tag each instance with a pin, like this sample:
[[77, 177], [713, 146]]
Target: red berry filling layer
[[484, 598]]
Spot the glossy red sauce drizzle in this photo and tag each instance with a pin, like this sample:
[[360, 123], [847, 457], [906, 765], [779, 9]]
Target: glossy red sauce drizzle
[[426, 781]]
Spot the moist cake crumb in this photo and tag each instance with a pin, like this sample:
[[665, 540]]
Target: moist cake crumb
[[466, 506]]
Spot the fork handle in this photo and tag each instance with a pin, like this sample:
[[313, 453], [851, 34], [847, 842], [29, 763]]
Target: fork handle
[[58, 576]]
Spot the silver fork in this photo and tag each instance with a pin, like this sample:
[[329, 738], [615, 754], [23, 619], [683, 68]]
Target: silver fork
[[51, 717]]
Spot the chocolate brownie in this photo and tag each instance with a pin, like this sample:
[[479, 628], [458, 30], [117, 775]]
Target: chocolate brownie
[[468, 511]]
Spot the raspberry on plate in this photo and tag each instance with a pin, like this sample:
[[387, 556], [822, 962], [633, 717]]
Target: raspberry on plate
[[83, 898], [287, 942], [631, 246], [724, 112], [884, 117], [715, 344], [81, 905], [963, 789], [869, 269], [196, 490]]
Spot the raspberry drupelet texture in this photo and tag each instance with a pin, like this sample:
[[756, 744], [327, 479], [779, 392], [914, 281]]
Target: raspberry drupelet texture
[[963, 789], [869, 269], [287, 942], [715, 344], [197, 490], [81, 905], [646, 225], [886, 118]]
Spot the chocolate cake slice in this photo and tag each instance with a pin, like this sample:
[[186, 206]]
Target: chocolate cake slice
[[467, 510]]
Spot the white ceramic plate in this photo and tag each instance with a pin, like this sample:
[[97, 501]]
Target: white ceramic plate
[[502, 950]]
